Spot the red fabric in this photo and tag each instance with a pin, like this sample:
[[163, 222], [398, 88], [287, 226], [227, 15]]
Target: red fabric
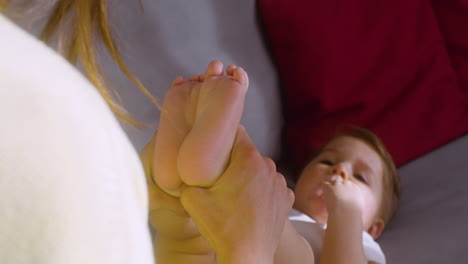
[[452, 16], [378, 64]]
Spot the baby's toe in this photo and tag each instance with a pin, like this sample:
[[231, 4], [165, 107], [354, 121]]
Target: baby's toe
[[215, 68], [195, 78], [241, 76], [202, 77], [178, 80], [230, 69]]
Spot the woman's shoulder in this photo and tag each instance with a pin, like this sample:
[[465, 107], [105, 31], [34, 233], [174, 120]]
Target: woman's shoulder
[[36, 74], [40, 90], [50, 112], [68, 171], [45, 100]]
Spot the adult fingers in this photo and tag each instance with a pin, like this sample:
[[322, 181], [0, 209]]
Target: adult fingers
[[159, 199], [146, 159], [244, 151], [196, 201], [172, 225], [196, 245], [174, 257], [288, 194], [270, 164]]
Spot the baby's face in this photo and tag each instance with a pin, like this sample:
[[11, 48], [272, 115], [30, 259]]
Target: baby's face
[[363, 167]]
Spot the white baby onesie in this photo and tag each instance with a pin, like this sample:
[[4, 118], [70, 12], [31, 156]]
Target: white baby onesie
[[314, 234]]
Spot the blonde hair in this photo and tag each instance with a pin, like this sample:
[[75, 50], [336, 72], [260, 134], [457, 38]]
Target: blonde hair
[[76, 25], [391, 194]]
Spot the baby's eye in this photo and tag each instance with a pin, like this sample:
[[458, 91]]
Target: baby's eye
[[360, 178], [326, 162]]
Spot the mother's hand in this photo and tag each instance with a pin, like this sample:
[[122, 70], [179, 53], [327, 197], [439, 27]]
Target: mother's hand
[[178, 239], [242, 216]]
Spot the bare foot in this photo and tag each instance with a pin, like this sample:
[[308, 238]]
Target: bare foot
[[197, 128]]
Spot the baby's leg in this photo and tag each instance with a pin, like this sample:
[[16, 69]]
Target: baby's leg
[[197, 128], [206, 150]]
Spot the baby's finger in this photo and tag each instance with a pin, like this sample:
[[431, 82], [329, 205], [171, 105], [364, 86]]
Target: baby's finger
[[330, 182], [328, 188], [341, 180]]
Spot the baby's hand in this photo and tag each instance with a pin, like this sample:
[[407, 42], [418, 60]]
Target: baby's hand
[[342, 194]]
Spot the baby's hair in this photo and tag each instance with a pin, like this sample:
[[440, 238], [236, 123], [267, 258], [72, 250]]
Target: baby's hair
[[391, 181], [76, 25]]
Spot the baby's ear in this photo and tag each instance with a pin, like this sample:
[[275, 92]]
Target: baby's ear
[[376, 228]]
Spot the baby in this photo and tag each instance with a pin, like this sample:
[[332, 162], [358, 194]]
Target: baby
[[351, 185]]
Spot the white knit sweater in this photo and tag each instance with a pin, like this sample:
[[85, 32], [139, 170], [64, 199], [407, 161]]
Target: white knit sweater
[[72, 188]]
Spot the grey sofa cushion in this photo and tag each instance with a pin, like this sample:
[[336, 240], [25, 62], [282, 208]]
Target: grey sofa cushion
[[431, 225]]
